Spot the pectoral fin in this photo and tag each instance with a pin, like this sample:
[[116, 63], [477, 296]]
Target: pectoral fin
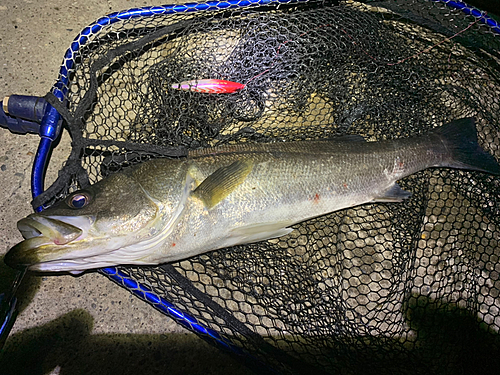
[[393, 194], [222, 182]]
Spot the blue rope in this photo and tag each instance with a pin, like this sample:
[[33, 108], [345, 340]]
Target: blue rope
[[187, 321]]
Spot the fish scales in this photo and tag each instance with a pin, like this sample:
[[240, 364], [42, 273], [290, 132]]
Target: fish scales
[[292, 182], [166, 210]]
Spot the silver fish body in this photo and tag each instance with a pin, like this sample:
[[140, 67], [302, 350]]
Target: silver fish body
[[165, 210]]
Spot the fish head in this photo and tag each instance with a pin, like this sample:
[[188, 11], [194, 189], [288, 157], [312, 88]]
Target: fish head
[[86, 228]]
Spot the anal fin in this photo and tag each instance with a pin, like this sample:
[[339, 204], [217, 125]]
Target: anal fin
[[393, 194], [260, 232]]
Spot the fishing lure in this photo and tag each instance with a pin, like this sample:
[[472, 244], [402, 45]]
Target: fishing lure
[[209, 86]]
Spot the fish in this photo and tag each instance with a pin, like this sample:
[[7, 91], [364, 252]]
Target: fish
[[165, 210], [209, 86]]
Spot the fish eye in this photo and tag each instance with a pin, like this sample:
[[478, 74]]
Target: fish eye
[[78, 200]]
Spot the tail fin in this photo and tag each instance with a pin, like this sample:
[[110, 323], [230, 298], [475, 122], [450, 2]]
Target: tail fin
[[460, 138]]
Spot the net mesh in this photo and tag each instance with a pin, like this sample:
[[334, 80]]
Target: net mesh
[[380, 288]]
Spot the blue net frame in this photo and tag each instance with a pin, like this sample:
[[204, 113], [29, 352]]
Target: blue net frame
[[50, 128]]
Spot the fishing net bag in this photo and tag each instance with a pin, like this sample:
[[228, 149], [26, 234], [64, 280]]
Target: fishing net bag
[[397, 288]]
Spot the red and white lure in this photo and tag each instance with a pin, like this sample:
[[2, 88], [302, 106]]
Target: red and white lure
[[209, 86]]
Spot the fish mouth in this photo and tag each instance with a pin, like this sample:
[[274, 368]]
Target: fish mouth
[[45, 240]]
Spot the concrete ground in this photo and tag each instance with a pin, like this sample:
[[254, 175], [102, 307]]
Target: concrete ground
[[85, 324]]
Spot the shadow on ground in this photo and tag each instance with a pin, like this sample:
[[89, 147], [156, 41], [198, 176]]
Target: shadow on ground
[[447, 340], [450, 341], [67, 343]]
